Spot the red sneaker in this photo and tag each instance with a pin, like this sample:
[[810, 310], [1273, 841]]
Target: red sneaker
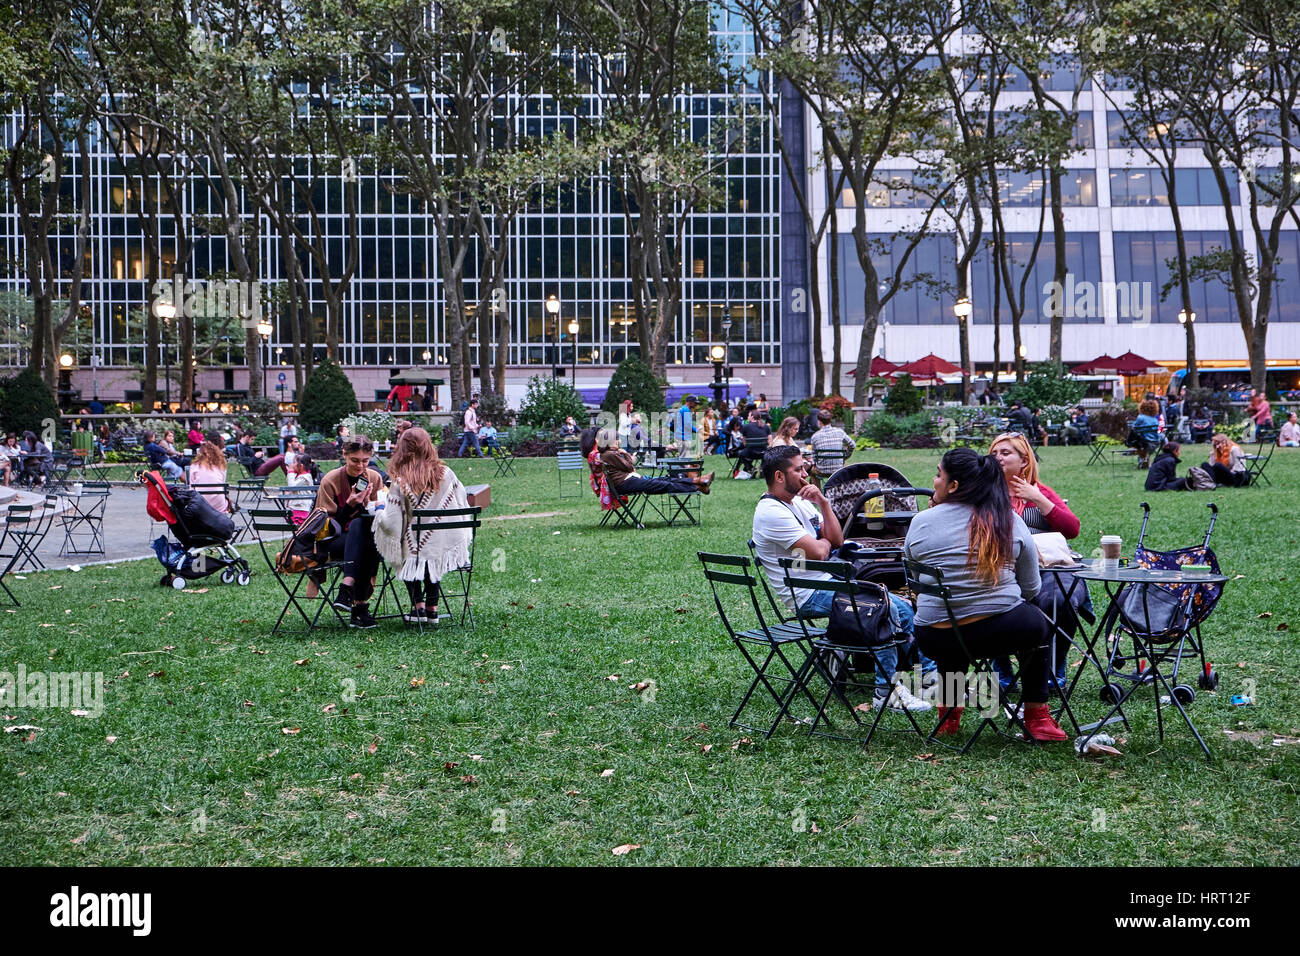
[[949, 722], [1040, 726]]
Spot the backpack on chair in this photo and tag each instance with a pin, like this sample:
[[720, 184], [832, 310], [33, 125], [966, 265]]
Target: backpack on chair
[[309, 546]]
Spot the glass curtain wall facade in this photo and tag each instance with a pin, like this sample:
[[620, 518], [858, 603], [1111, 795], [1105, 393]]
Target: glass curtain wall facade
[[574, 246]]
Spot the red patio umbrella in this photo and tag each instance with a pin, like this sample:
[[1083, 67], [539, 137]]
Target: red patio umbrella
[[1130, 363], [879, 367], [1104, 361], [929, 367]]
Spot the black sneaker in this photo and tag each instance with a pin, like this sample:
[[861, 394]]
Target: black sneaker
[[416, 615], [362, 618], [343, 597]]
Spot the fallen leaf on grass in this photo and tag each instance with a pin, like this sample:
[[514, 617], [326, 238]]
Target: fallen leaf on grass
[[865, 705], [641, 686], [305, 660], [80, 839], [925, 756], [614, 677], [46, 625], [743, 740], [195, 591], [1265, 615], [111, 740], [248, 703], [157, 673], [449, 766], [14, 728], [607, 773], [290, 731], [58, 587], [256, 651], [507, 667], [681, 610], [814, 828], [469, 778], [625, 849], [327, 709], [80, 713], [351, 815], [705, 748], [475, 756], [1284, 626], [704, 726], [373, 746], [572, 793], [417, 681]]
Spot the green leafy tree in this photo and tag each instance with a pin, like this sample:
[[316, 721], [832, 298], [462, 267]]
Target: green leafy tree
[[27, 403], [904, 398], [1047, 384], [327, 399], [548, 402], [633, 380]]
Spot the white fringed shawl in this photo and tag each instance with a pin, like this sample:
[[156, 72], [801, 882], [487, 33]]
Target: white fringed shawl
[[433, 551]]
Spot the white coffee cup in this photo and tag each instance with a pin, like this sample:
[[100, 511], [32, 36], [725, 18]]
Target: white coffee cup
[[1110, 548], [76, 489]]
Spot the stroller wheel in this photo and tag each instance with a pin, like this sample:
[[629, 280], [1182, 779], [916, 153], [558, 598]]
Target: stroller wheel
[[1209, 681], [1184, 694], [244, 577], [178, 584], [227, 576], [1110, 694]]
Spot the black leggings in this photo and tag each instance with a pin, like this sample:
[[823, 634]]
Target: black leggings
[[1022, 631], [356, 546], [430, 588], [655, 486], [1224, 475]]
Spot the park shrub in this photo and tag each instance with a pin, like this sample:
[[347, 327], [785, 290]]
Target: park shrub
[[267, 436], [1112, 420], [379, 427], [633, 380], [903, 399], [27, 403], [1048, 383], [159, 426], [906, 431], [549, 401], [264, 411], [493, 408], [327, 398]]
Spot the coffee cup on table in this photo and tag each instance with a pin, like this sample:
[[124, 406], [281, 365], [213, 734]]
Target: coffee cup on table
[[1110, 545], [76, 489]]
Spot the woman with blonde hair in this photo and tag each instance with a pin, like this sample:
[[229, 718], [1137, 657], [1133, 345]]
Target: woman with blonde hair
[[421, 481], [784, 434], [207, 470], [1228, 466], [1042, 510]]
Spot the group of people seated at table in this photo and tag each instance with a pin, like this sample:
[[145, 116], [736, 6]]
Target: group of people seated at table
[[979, 532], [28, 457]]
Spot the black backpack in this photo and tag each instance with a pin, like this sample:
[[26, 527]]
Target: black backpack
[[309, 546]]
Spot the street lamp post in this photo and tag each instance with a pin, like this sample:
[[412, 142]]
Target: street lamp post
[[1187, 319], [726, 347], [718, 354], [264, 329], [166, 310], [962, 309], [553, 309], [573, 334], [66, 362]]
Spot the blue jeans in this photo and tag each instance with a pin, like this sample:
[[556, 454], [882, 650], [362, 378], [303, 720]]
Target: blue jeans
[[171, 469], [465, 439], [818, 604]]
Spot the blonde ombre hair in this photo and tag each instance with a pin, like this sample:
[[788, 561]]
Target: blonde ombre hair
[[415, 460], [1021, 444]]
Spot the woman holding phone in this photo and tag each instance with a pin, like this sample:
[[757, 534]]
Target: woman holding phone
[[345, 493]]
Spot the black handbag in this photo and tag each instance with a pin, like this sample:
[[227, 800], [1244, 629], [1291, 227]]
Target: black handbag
[[863, 620]]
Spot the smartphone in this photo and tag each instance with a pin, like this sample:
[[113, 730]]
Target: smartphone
[[361, 484]]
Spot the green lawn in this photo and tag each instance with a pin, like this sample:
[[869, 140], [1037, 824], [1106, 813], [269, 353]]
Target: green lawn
[[498, 753]]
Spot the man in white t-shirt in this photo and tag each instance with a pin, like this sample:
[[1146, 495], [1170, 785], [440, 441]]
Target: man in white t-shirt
[[795, 519]]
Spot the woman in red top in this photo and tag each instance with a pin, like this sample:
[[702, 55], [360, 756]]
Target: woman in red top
[[1042, 509]]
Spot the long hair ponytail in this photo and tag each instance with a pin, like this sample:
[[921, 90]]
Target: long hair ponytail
[[981, 485]]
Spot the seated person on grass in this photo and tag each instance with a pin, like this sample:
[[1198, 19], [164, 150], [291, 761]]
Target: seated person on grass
[[794, 519]]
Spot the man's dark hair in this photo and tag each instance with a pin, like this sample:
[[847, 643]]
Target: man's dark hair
[[148, 437], [778, 459], [824, 416]]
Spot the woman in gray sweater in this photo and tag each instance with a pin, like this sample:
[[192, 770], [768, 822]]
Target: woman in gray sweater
[[990, 564]]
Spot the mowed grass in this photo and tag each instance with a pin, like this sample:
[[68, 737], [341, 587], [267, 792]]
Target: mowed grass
[[492, 745]]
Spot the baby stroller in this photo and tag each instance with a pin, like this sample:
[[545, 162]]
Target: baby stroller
[[204, 535], [1165, 619], [874, 545]]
